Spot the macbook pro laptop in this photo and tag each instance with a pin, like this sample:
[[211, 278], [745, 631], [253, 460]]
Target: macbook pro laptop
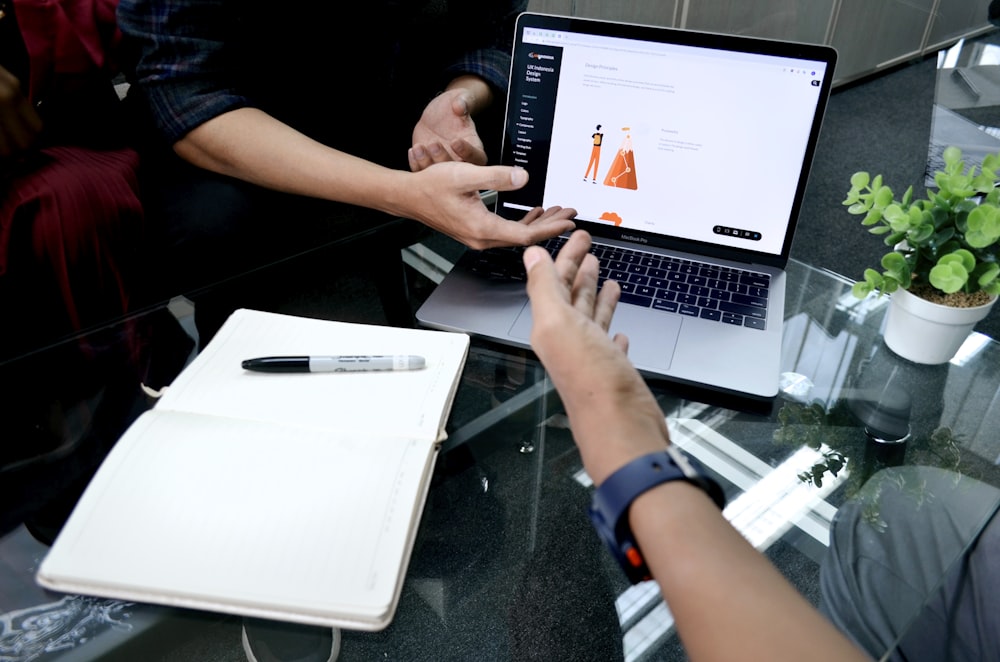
[[685, 155]]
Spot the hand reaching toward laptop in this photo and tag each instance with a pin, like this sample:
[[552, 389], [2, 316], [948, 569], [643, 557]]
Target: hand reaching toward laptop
[[728, 601], [615, 416], [446, 137], [446, 198]]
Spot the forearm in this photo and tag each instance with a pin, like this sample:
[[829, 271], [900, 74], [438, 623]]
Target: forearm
[[281, 158], [487, 29], [614, 416], [728, 601]]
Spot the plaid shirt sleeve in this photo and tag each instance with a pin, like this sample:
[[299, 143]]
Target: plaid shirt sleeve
[[181, 70], [491, 61], [179, 66]]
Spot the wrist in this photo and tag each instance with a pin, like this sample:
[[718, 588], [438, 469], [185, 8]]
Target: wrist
[[608, 441], [393, 195]]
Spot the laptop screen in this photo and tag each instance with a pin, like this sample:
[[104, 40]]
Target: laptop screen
[[667, 137]]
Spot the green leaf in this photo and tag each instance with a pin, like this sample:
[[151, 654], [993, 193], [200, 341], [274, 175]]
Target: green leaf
[[918, 235], [894, 261], [960, 256], [949, 275], [894, 238], [897, 272], [861, 289], [898, 219], [952, 155], [860, 180], [858, 208], [966, 205], [956, 185], [984, 182], [983, 227], [944, 236], [987, 274], [907, 197], [873, 217], [883, 197]]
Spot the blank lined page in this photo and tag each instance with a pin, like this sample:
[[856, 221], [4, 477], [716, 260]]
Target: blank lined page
[[246, 515]]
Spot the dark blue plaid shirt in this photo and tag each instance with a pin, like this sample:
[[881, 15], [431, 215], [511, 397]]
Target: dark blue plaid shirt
[[183, 70]]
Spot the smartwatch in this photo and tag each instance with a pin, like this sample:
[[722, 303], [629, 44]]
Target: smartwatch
[[609, 508]]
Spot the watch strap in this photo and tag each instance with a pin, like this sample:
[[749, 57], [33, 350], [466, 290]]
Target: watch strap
[[611, 501]]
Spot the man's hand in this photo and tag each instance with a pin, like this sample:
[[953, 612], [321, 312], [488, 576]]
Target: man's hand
[[446, 198], [446, 131], [19, 123], [612, 412]]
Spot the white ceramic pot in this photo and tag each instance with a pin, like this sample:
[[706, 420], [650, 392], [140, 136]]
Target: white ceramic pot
[[928, 333]]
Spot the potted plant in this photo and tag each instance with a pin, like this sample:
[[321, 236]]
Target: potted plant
[[943, 264]]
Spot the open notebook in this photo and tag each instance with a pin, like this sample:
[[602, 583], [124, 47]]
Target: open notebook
[[285, 496], [686, 156]]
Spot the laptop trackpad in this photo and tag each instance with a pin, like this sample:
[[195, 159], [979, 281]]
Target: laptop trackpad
[[652, 334]]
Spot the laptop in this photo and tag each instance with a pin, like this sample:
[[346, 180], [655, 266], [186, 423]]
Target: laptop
[[685, 155]]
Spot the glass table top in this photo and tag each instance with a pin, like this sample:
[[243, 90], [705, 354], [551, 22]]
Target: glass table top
[[966, 111], [861, 454]]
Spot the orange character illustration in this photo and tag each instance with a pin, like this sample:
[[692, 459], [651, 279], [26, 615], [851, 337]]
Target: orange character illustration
[[595, 153], [621, 174]]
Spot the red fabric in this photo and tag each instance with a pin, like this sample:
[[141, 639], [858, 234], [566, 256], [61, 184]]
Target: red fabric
[[66, 38], [69, 227], [70, 216]]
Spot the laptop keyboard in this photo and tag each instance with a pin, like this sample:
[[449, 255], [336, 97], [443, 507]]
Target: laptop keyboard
[[672, 285]]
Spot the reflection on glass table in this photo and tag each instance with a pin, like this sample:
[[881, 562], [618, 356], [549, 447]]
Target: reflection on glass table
[[895, 468], [966, 103], [866, 469], [64, 406]]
